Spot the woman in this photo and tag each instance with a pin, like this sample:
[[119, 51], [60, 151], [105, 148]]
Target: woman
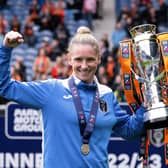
[[78, 113]]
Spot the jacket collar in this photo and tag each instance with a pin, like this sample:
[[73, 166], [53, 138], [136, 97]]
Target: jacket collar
[[83, 85]]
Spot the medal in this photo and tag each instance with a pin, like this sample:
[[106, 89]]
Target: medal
[[86, 129], [85, 149]]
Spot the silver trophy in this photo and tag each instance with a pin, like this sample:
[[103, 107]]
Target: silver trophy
[[146, 53]]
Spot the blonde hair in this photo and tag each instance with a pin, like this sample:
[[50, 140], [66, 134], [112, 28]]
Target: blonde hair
[[84, 36]]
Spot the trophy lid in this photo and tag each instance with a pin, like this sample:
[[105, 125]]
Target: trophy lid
[[145, 28]]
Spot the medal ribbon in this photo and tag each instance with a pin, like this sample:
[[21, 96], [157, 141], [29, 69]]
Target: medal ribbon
[[85, 129]]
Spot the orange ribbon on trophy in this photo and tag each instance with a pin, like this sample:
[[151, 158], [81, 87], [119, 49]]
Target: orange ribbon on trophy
[[163, 64], [131, 85]]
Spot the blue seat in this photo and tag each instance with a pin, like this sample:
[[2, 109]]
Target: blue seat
[[38, 45], [15, 53], [82, 22], [72, 29], [45, 34], [31, 54], [8, 14], [18, 51], [23, 46], [69, 15]]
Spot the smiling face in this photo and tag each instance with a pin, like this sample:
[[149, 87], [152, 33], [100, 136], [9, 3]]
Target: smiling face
[[84, 61]]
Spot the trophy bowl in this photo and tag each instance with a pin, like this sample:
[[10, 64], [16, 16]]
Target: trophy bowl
[[147, 56]]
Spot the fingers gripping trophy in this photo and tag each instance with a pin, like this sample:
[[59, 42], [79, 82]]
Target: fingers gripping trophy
[[144, 65]]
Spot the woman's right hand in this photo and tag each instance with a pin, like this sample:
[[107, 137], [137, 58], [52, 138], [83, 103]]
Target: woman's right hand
[[12, 39]]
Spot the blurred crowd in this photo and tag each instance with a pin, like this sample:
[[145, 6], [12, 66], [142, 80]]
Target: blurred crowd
[[48, 25]]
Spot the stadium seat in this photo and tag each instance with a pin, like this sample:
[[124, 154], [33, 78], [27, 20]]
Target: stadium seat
[[44, 34], [82, 22], [31, 54]]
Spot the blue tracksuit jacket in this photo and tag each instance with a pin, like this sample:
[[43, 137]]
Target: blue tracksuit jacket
[[62, 140]]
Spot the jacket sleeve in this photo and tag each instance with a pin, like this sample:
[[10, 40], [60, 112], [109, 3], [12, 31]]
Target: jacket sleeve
[[128, 126], [33, 94]]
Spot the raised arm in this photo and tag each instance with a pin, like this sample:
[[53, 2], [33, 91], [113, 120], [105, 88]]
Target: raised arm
[[34, 94]]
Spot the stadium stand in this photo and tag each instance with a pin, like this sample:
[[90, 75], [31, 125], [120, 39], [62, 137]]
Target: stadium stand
[[50, 28]]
